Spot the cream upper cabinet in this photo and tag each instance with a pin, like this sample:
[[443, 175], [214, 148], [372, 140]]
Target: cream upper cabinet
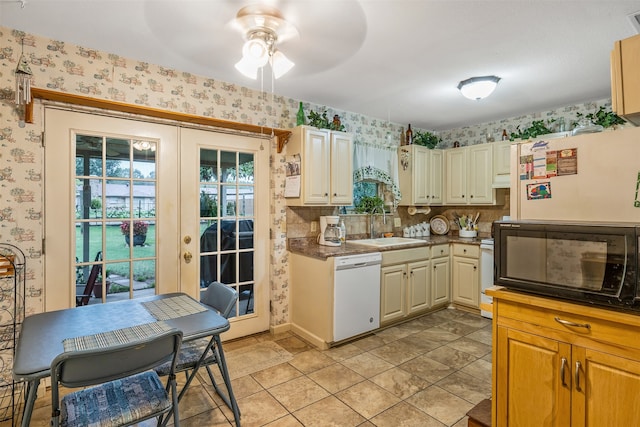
[[341, 168], [625, 79], [421, 174], [502, 164], [326, 168], [466, 275], [469, 175]]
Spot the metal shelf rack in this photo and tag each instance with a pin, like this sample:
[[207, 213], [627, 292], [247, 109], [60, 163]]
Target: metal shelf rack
[[12, 312]]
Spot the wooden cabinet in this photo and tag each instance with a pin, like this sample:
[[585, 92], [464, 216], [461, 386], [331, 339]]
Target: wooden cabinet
[[404, 284], [502, 164], [465, 275], [440, 275], [469, 175], [421, 174], [326, 168], [562, 364], [625, 79]]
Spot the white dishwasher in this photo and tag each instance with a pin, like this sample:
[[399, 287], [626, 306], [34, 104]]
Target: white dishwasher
[[356, 295]]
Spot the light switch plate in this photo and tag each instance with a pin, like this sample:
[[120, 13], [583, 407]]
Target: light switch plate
[[396, 222]]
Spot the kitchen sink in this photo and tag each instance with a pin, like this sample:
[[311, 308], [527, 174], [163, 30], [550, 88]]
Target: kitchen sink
[[386, 241]]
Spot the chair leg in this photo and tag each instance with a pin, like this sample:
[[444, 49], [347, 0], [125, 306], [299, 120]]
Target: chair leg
[[222, 364]]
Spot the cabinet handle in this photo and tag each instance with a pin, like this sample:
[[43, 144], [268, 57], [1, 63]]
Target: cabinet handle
[[578, 365], [563, 365], [464, 251], [335, 194], [471, 196], [475, 268], [574, 324], [326, 194]]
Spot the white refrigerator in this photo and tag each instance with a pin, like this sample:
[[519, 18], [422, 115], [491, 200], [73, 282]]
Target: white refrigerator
[[590, 177]]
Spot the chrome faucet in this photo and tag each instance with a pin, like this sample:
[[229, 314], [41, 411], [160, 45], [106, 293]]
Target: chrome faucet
[[384, 219]]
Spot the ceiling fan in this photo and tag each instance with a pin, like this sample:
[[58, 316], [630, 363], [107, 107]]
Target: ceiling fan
[[263, 27]]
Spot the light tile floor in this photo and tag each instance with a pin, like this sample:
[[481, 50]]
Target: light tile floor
[[427, 372]]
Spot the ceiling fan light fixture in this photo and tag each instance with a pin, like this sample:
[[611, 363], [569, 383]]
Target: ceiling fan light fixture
[[280, 64], [247, 68], [263, 26], [477, 88], [256, 50]]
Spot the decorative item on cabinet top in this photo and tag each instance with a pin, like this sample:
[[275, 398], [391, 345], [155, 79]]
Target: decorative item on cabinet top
[[405, 156]]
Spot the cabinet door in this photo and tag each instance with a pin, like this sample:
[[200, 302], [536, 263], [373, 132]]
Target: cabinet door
[[421, 189], [440, 281], [418, 278], [456, 185], [465, 281], [315, 166], [480, 174], [393, 291], [529, 383], [436, 177], [606, 389], [341, 168]]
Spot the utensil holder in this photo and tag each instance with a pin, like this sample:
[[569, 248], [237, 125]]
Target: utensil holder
[[468, 233]]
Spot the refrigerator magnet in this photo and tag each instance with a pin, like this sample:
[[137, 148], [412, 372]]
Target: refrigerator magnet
[[538, 191]]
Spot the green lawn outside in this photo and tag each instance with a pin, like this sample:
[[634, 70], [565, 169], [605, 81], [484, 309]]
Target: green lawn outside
[[116, 249]]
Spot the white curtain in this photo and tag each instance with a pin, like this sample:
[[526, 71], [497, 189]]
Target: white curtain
[[378, 163]]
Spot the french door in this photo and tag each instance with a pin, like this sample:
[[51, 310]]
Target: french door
[[153, 208]]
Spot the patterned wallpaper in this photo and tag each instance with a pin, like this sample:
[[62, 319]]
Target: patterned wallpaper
[[65, 67]]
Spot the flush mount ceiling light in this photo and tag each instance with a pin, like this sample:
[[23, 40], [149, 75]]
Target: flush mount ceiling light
[[477, 88], [263, 27]]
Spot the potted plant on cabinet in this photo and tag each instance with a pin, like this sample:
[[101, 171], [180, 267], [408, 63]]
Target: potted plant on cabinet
[[139, 232]]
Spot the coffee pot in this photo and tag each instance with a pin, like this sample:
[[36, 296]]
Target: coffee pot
[[329, 231]]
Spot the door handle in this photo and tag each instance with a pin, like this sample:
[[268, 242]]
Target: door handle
[[563, 366], [187, 257], [578, 365], [570, 323]]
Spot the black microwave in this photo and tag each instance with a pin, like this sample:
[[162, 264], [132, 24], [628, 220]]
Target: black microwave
[[593, 263]]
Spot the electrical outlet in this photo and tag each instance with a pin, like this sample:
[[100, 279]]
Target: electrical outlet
[[283, 226], [396, 222], [314, 226]]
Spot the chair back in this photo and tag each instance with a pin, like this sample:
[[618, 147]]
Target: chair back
[[91, 282], [80, 368], [221, 297]]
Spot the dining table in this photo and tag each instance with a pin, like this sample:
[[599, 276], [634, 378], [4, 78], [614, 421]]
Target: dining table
[[42, 335]]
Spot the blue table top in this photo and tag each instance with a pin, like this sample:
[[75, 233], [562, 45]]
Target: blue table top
[[42, 334]]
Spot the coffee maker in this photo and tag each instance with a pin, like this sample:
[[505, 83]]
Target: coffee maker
[[329, 231]]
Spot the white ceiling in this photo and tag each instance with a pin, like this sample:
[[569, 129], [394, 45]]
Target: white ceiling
[[383, 58]]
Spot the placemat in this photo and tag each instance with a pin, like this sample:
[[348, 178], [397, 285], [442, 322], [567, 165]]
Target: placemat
[[173, 307], [116, 337]]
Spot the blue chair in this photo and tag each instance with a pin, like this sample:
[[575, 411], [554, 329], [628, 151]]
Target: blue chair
[[204, 352], [125, 390]]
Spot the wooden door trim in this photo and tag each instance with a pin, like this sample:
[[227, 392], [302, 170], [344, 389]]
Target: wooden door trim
[[282, 135]]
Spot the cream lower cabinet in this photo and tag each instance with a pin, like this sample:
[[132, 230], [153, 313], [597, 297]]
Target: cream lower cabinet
[[440, 275], [404, 284], [548, 373], [465, 275]]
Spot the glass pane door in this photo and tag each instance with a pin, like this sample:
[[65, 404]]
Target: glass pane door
[[227, 222], [115, 230]]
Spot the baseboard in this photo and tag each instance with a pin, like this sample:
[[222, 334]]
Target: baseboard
[[309, 337], [280, 329]]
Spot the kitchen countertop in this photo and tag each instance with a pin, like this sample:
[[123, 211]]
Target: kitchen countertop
[[309, 247]]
